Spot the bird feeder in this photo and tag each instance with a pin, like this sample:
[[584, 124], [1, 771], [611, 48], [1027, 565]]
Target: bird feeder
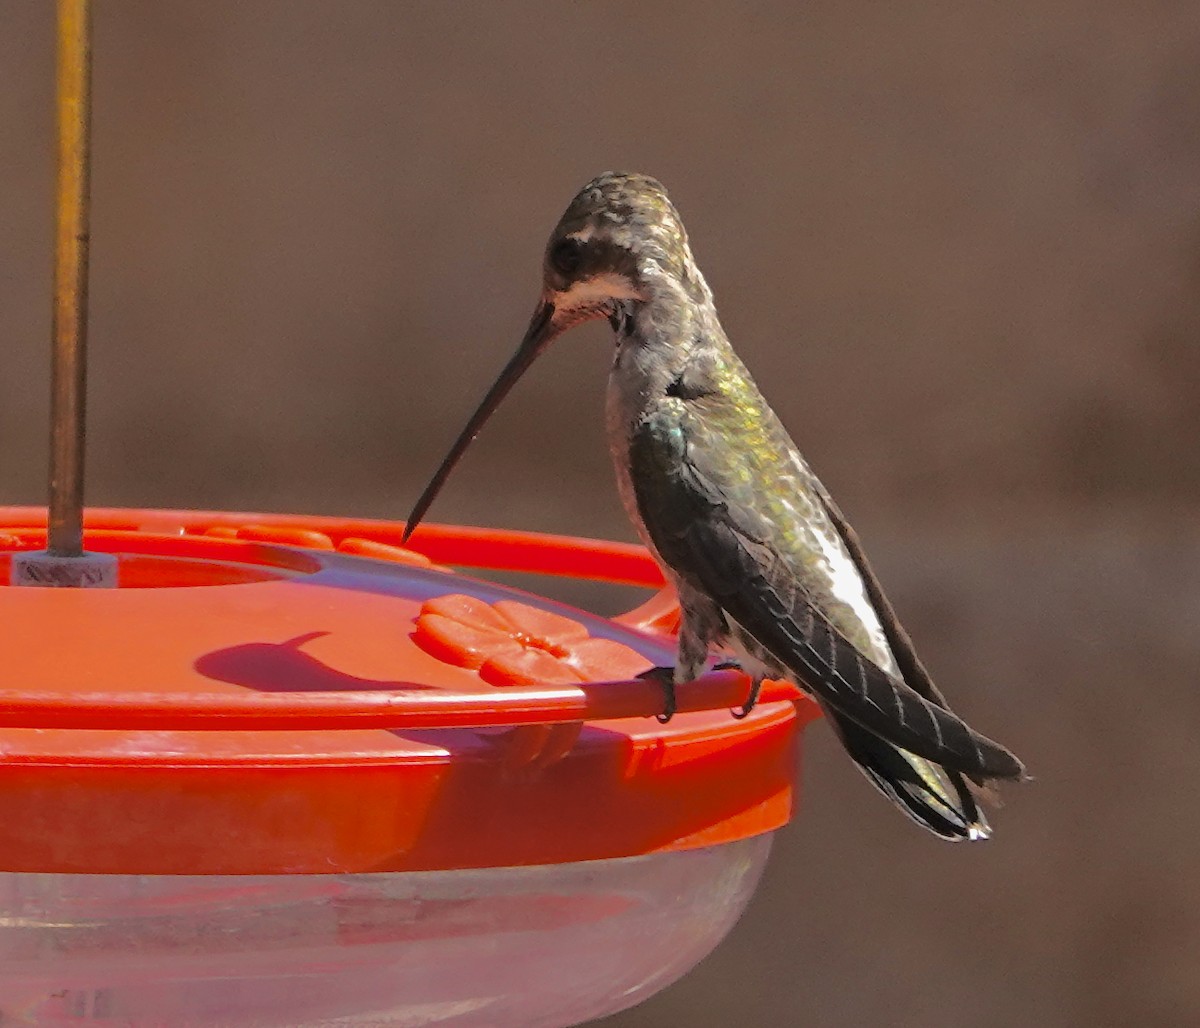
[[290, 773], [281, 770]]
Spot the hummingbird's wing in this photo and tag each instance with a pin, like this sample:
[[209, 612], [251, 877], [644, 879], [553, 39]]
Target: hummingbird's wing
[[911, 669], [710, 499], [909, 780]]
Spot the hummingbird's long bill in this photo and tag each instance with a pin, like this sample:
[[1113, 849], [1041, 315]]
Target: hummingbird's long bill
[[541, 333]]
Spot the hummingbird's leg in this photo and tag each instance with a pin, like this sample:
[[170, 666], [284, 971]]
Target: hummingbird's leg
[[695, 631], [756, 682], [700, 625], [665, 677]]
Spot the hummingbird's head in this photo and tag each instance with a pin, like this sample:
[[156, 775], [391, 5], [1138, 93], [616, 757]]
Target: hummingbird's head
[[620, 242], [619, 245]]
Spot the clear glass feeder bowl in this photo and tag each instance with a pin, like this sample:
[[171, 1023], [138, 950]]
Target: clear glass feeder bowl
[[513, 947]]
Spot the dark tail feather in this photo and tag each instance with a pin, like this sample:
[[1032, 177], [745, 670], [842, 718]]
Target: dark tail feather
[[939, 800]]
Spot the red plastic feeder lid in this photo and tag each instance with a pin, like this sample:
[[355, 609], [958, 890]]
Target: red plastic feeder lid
[[269, 694]]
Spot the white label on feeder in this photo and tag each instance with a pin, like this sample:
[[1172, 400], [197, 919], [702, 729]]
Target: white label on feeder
[[88, 571]]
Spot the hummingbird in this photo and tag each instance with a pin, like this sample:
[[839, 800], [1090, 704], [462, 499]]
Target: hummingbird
[[764, 564]]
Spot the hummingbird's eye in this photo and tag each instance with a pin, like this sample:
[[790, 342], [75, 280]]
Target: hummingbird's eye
[[566, 256]]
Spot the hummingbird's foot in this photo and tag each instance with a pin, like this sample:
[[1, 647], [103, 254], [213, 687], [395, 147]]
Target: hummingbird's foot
[[665, 677], [751, 700], [755, 687]]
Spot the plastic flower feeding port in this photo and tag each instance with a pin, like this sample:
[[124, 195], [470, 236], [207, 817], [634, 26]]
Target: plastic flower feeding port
[[289, 773]]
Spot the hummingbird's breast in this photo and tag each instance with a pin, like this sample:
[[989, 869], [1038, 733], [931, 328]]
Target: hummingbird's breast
[[628, 399]]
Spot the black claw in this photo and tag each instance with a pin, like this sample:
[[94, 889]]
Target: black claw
[[727, 665], [751, 700], [665, 676]]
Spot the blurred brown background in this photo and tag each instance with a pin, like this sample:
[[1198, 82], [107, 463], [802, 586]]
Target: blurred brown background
[[959, 246]]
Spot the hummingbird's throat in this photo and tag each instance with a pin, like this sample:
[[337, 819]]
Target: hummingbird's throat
[[594, 297], [620, 316]]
